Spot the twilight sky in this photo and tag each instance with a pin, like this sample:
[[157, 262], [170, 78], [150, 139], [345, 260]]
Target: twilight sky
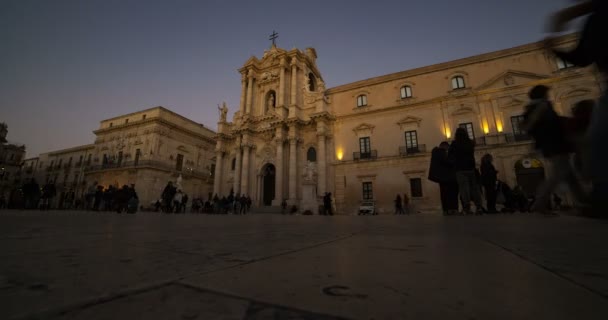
[[65, 65]]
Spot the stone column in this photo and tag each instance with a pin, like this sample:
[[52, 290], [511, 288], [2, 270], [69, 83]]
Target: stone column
[[243, 94], [321, 164], [219, 161], [279, 169], [281, 95], [245, 169], [294, 80], [237, 169], [249, 98], [293, 165]]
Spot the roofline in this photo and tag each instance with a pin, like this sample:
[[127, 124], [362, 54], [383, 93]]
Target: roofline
[[72, 149], [451, 64], [163, 109]]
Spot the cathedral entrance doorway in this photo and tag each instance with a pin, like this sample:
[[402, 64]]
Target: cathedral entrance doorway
[[268, 184]]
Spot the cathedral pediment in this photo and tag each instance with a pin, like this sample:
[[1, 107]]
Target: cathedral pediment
[[511, 78]]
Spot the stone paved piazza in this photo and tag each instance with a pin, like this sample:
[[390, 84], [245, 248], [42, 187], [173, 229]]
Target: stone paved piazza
[[84, 265]]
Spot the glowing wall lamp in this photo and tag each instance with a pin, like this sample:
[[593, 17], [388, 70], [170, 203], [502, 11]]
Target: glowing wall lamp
[[499, 125], [339, 154], [448, 133], [486, 127]]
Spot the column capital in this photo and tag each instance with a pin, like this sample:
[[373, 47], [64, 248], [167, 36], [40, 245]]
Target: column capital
[[279, 140], [250, 73], [294, 140], [243, 78], [293, 63], [282, 62]]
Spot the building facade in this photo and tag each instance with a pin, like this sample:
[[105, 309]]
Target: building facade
[[294, 139], [149, 148], [11, 158]]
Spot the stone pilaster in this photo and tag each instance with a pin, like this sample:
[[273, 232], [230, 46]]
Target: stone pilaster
[[321, 164], [294, 82], [278, 198], [243, 94], [245, 169], [293, 164], [249, 98], [237, 170], [219, 161], [281, 95]]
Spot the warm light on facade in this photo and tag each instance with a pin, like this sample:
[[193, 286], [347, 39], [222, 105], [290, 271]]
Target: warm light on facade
[[486, 127], [448, 133], [499, 126], [339, 154]]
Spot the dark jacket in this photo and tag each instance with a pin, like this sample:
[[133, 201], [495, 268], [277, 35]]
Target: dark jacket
[[462, 155], [488, 174], [546, 127], [441, 169], [591, 47]]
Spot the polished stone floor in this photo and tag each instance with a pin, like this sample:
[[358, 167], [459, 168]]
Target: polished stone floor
[[84, 265]]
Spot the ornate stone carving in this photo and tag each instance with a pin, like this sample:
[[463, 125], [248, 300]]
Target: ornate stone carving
[[310, 171]]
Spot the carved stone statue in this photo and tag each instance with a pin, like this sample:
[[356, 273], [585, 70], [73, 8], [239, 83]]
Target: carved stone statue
[[224, 112], [309, 171], [271, 100]]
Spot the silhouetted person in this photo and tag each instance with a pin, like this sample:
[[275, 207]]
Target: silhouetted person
[[441, 171], [399, 205], [546, 127], [462, 154], [327, 204], [590, 49], [167, 196], [488, 181]]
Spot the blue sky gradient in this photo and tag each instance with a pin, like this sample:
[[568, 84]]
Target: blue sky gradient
[[65, 65]]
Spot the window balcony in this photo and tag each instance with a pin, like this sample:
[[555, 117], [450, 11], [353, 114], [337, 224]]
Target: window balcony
[[511, 137], [405, 151], [371, 155]]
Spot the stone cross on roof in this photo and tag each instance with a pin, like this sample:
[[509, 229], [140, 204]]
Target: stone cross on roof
[[273, 36]]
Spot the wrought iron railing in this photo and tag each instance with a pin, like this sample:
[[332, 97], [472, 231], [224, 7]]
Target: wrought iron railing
[[371, 155], [409, 151]]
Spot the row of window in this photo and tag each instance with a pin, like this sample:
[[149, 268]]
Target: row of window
[[411, 137], [415, 189], [457, 83], [406, 91]]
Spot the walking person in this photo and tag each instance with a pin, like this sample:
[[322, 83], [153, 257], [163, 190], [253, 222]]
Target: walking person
[[398, 205], [177, 201], [489, 177], [441, 171], [406, 204], [591, 49], [462, 154], [545, 126], [327, 204]]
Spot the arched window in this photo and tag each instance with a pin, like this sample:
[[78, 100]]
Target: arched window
[[311, 155], [312, 82], [233, 164], [361, 100], [406, 92], [458, 82]]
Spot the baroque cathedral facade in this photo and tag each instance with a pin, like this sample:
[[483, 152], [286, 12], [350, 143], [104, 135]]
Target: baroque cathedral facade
[[294, 139]]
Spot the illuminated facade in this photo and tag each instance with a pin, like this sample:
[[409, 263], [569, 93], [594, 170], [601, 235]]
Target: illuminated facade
[[294, 139]]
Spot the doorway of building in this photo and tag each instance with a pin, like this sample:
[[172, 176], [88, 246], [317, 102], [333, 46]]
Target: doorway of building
[[268, 184]]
